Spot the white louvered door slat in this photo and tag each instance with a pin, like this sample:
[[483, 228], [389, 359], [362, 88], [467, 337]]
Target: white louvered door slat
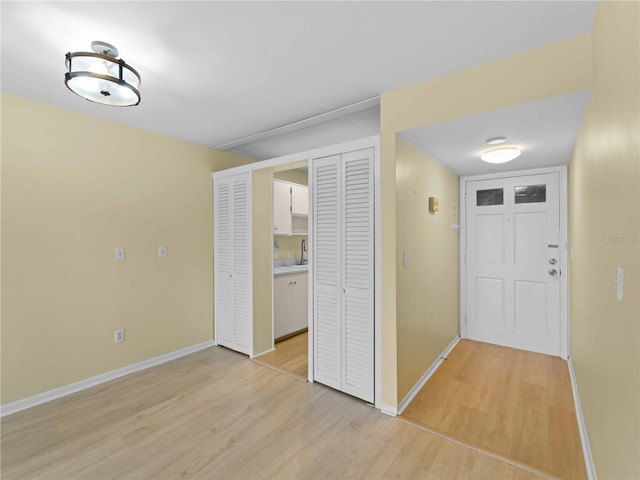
[[343, 265], [241, 265], [223, 262], [326, 270], [233, 262], [357, 274]]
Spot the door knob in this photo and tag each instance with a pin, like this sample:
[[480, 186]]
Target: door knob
[[553, 272], [552, 261]]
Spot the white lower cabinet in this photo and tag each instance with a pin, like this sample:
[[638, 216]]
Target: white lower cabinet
[[290, 303]]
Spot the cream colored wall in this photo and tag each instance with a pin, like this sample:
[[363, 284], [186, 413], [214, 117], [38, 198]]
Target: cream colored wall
[[262, 260], [428, 288], [289, 247], [74, 187], [293, 176], [552, 70], [604, 186]]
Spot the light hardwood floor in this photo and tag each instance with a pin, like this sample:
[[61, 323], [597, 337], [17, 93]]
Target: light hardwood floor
[[290, 356], [509, 402], [215, 414]]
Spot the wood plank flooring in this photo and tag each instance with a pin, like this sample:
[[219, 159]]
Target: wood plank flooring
[[290, 355], [510, 402], [215, 414]]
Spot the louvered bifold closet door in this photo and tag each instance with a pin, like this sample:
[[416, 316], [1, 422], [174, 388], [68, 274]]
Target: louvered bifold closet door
[[241, 263], [327, 301], [223, 262], [358, 274]]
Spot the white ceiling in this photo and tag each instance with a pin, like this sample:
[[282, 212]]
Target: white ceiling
[[214, 72], [545, 131]]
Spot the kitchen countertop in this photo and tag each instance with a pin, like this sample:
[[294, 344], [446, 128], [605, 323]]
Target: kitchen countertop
[[288, 269]]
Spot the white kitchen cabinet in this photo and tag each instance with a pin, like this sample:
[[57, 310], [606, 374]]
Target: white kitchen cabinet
[[343, 274], [281, 208], [299, 200], [232, 267], [290, 208], [290, 304]]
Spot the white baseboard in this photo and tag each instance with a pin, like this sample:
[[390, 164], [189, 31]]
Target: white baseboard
[[262, 353], [427, 375], [389, 410], [582, 427], [65, 390]]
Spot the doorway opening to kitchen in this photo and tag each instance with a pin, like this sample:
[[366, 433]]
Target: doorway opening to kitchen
[[290, 299]]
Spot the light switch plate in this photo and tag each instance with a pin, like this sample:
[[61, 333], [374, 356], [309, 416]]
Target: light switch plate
[[162, 251], [119, 253], [620, 292]]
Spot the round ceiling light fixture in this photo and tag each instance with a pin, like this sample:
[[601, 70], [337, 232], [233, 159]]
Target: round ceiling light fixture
[[501, 155], [100, 77], [496, 140]]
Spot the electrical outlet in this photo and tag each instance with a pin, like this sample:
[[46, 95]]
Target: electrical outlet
[[119, 253], [119, 336]]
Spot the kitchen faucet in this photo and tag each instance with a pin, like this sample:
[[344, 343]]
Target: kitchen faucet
[[303, 248]]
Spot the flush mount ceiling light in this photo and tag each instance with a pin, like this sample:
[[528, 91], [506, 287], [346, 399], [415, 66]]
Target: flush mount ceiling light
[[100, 77], [496, 140], [500, 155]]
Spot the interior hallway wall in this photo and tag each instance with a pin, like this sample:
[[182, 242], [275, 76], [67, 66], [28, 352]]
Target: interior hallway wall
[[604, 189], [74, 188], [428, 288]]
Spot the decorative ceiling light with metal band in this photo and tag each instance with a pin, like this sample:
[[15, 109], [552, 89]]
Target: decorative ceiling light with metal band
[[100, 77]]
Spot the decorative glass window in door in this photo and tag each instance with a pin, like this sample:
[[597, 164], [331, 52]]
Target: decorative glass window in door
[[531, 194], [484, 198]]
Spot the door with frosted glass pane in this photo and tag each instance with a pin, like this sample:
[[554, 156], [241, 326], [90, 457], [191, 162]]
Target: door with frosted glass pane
[[513, 262]]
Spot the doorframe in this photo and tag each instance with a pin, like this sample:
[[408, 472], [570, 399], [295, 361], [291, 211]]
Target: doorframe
[[564, 248]]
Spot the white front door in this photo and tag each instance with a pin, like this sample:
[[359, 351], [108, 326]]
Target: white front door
[[513, 262]]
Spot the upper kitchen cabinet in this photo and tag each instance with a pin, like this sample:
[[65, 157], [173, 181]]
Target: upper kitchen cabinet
[[299, 200], [281, 208], [290, 208]]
